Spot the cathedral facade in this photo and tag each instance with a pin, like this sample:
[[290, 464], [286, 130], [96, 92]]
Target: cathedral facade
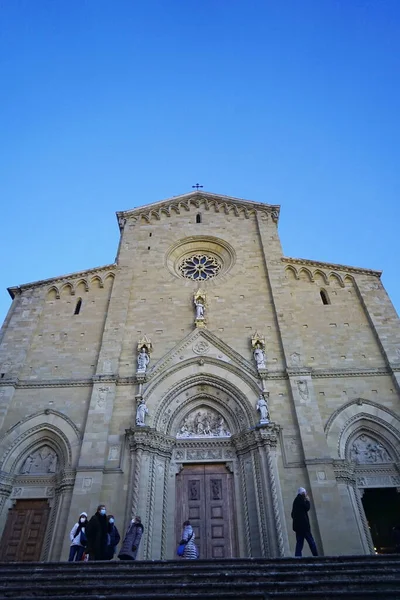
[[202, 376]]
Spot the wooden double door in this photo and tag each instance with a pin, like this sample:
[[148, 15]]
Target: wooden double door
[[24, 532], [205, 497]]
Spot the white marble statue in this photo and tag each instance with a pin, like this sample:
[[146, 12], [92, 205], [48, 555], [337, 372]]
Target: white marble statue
[[141, 412], [143, 359], [262, 407], [199, 308], [259, 357]]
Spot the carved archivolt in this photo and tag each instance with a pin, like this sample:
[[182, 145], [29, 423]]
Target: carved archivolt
[[32, 434], [188, 394], [362, 417]]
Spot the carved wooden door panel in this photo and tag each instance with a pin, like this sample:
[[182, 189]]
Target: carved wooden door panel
[[24, 531], [205, 497]]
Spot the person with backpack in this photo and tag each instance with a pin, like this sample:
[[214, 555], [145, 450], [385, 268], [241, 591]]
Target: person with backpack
[[78, 539]]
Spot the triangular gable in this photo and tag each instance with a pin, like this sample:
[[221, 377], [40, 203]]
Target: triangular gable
[[197, 199], [201, 343]]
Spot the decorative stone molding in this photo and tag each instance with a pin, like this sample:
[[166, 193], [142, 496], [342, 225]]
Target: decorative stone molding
[[175, 205], [170, 359], [63, 279], [150, 440], [331, 266], [344, 472], [260, 436]]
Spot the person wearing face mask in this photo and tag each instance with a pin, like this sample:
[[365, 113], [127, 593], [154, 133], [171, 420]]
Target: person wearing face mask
[[78, 539], [113, 538], [96, 532]]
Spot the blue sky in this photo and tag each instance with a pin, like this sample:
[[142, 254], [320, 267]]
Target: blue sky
[[107, 105]]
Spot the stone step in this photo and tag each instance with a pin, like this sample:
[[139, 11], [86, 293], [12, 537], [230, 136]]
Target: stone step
[[321, 578], [109, 576], [281, 595], [53, 590]]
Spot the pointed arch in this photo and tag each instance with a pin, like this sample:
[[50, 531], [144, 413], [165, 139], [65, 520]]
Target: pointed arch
[[53, 293], [291, 272], [320, 275], [307, 275], [349, 280], [82, 285], [96, 281], [37, 429], [324, 296], [336, 279], [361, 414], [67, 289]]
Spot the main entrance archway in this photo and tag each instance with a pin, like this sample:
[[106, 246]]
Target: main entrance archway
[[205, 497]]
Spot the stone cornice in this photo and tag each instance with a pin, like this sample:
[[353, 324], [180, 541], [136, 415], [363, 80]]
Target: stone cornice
[[13, 291], [196, 199], [345, 268], [272, 375]]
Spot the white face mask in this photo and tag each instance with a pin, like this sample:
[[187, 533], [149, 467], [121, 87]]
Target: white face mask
[[111, 520], [82, 520], [103, 511]]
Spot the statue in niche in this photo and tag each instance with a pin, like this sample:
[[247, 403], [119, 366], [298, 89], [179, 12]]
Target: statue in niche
[[199, 304], [259, 356], [143, 359], [262, 407], [366, 450], [203, 423], [141, 412]]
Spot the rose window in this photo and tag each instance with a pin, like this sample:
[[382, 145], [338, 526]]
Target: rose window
[[200, 267]]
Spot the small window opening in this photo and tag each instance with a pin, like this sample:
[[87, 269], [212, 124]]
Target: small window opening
[[198, 218], [324, 297], [150, 234], [148, 247], [78, 306], [2, 375]]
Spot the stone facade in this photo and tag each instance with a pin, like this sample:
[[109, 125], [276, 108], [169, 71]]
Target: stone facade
[[120, 430]]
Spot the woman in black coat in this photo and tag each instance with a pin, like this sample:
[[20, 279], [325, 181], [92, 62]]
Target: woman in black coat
[[130, 545], [96, 533]]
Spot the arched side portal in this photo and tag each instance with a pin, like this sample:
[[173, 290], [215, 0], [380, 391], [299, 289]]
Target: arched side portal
[[225, 443], [365, 437], [39, 456]]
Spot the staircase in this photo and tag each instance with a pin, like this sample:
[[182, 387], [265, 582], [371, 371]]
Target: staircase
[[321, 578]]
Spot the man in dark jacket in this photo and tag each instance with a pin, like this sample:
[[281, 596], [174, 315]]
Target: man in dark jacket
[[96, 533], [301, 523]]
